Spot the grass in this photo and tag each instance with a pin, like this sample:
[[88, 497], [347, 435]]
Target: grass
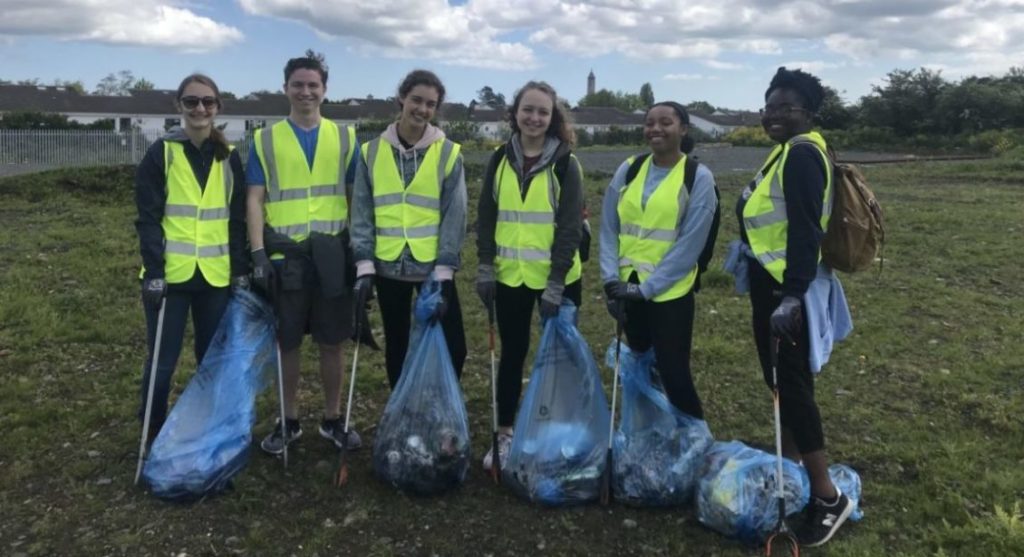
[[924, 400]]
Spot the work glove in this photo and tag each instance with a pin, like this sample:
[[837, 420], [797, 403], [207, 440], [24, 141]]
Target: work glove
[[362, 290], [629, 292], [551, 300], [447, 291], [263, 274], [787, 319], [240, 282], [486, 287], [153, 292], [615, 307]]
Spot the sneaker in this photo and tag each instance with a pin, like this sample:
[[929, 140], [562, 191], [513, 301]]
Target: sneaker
[[334, 431], [821, 520], [504, 445], [274, 443]]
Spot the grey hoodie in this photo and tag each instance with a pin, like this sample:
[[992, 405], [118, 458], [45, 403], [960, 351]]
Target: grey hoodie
[[451, 233]]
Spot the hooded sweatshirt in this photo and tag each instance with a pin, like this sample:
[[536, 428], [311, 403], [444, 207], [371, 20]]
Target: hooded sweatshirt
[[451, 233]]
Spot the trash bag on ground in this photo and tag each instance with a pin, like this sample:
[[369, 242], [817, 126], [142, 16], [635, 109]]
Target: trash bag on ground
[[848, 481], [206, 438], [736, 494], [658, 450], [561, 432], [422, 442]]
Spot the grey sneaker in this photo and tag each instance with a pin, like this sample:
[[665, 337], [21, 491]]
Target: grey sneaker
[[274, 442], [334, 431], [504, 445]]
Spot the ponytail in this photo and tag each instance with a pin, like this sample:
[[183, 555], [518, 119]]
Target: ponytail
[[687, 144], [221, 147]]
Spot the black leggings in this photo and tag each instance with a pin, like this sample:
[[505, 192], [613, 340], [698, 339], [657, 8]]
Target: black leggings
[[395, 299], [514, 308], [798, 409], [668, 327]]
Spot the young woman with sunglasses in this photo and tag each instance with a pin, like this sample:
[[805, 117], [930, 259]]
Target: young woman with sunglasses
[[189, 191]]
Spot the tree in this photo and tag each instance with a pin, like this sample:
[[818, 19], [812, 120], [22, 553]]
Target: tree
[[143, 84], [121, 84], [76, 85], [834, 114], [605, 98], [646, 94], [488, 97], [906, 103], [704, 107]]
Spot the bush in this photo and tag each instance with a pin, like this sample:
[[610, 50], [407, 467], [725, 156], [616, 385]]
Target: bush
[[997, 142], [748, 136]]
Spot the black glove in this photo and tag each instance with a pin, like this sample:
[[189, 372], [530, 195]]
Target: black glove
[[447, 290], [363, 292], [241, 282], [486, 287], [153, 292], [629, 292], [263, 274], [787, 319], [612, 303]]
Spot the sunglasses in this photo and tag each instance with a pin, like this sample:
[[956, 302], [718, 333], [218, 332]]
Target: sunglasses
[[191, 102]]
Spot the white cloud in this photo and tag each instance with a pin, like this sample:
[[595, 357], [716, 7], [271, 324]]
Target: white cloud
[[729, 66], [159, 23], [813, 66], [689, 77]]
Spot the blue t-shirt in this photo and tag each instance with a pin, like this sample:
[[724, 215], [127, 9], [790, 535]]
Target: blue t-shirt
[[307, 140]]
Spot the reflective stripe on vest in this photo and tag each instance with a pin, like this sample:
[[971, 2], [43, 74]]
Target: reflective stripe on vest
[[764, 214], [195, 221], [299, 199], [525, 229], [647, 231], [408, 215]]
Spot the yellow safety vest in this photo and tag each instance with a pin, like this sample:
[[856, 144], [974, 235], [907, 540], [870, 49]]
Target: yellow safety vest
[[647, 232], [764, 215], [300, 199], [526, 228], [408, 215], [195, 219]]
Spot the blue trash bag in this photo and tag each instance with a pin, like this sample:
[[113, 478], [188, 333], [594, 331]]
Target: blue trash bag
[[561, 432], [736, 494], [422, 443], [206, 438], [848, 481], [658, 450]]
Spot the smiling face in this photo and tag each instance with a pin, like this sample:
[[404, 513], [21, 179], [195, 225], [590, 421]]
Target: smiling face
[[533, 117], [419, 106], [663, 130], [784, 115], [198, 105], [305, 90]]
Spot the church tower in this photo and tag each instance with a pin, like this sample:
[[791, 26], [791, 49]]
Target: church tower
[[591, 83]]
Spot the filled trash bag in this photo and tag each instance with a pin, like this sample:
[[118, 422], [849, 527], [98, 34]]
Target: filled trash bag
[[206, 438], [736, 494], [561, 432], [848, 481], [422, 442], [658, 450]]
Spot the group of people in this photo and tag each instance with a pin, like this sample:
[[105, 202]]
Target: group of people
[[318, 222]]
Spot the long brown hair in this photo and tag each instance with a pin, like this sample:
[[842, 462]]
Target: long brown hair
[[561, 124], [221, 148]]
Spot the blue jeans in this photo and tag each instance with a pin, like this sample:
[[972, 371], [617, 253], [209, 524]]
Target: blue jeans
[[207, 304]]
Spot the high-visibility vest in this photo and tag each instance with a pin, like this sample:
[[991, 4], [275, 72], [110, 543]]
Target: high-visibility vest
[[195, 221], [764, 215], [408, 215], [526, 228], [300, 199], [647, 232]]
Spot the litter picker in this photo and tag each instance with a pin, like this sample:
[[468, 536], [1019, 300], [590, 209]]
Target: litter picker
[[495, 453], [782, 538], [152, 384], [606, 477], [280, 398], [342, 477]]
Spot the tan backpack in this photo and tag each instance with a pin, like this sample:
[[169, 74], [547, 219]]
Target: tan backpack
[[856, 229]]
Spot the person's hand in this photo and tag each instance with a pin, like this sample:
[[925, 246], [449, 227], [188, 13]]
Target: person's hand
[[787, 319], [153, 292], [362, 290], [612, 303], [263, 274], [486, 286], [629, 292], [240, 282], [447, 290]]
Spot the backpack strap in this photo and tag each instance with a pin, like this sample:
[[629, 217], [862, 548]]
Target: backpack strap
[[634, 167]]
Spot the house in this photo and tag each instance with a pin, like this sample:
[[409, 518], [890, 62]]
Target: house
[[721, 122]]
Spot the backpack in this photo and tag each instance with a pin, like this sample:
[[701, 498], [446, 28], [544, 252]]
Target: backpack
[[561, 166], [856, 229], [689, 176]]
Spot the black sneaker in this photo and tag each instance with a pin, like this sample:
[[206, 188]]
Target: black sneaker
[[274, 442], [821, 520], [334, 431]]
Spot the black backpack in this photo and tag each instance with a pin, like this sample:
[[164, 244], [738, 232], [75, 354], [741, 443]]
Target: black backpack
[[560, 167], [689, 176]]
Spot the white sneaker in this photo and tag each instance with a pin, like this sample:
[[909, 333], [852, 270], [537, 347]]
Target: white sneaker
[[504, 444]]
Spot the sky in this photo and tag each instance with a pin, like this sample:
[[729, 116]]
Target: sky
[[720, 51]]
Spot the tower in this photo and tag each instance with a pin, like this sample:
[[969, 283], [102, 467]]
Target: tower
[[591, 83]]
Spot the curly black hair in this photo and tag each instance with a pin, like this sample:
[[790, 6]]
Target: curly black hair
[[806, 85]]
